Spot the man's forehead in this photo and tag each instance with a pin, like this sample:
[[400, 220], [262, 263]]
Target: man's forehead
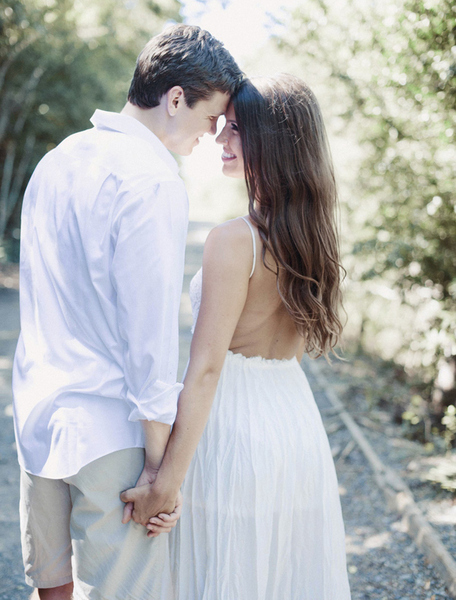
[[219, 102]]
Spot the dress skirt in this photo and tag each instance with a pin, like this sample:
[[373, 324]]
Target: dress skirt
[[261, 517]]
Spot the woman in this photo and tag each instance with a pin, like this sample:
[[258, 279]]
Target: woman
[[261, 517]]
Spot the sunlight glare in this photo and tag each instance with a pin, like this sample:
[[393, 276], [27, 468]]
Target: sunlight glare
[[242, 25]]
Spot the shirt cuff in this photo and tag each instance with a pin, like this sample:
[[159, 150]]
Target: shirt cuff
[[162, 407]]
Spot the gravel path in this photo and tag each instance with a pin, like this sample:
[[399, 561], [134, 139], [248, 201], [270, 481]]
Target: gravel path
[[383, 563], [12, 586]]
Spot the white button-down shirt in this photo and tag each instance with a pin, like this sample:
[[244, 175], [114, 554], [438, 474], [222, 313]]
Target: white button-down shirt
[[104, 224]]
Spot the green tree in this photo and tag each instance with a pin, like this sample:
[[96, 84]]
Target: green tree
[[393, 69], [59, 60]]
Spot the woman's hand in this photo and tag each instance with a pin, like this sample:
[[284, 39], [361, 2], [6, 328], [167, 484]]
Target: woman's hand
[[163, 523], [145, 500]]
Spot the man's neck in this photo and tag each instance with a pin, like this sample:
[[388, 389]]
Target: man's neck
[[149, 117]]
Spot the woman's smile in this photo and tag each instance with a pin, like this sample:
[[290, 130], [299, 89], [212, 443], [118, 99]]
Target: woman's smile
[[230, 140], [227, 156]]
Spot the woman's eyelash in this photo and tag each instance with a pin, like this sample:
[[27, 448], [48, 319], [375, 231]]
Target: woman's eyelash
[[234, 127]]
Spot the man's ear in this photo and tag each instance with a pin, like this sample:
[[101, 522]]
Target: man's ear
[[174, 99]]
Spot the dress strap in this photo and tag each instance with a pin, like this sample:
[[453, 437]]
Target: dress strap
[[254, 245]]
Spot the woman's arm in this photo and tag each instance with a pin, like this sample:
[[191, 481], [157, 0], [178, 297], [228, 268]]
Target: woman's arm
[[227, 262]]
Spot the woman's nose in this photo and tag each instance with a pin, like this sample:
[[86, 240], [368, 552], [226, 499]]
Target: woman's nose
[[221, 138]]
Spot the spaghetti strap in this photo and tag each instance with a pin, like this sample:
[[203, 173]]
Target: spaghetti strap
[[254, 245]]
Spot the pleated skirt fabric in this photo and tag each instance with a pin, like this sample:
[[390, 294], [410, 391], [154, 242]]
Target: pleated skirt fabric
[[262, 517]]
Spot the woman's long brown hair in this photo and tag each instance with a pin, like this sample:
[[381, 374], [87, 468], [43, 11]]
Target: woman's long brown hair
[[292, 200]]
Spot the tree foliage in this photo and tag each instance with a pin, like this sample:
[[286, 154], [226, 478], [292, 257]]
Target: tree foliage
[[59, 60], [393, 66]]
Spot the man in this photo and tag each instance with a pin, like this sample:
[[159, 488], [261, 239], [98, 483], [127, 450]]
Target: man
[[102, 254]]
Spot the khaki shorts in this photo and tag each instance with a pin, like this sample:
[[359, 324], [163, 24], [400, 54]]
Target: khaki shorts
[[71, 531]]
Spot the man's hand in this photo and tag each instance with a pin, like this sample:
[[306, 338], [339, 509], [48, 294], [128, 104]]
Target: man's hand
[[144, 501], [147, 477]]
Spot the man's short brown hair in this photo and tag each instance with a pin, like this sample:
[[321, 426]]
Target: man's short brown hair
[[187, 56]]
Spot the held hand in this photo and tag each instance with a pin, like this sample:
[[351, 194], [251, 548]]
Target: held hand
[[147, 477], [163, 523], [144, 501]]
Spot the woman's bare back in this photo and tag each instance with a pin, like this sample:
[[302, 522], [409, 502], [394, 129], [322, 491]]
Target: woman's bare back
[[264, 328]]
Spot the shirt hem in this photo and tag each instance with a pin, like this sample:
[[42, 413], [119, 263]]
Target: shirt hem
[[35, 582], [64, 474]]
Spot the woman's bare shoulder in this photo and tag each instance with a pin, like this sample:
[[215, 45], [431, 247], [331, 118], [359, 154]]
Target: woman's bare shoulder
[[231, 233], [230, 241]]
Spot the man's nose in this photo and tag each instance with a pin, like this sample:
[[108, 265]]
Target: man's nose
[[213, 129]]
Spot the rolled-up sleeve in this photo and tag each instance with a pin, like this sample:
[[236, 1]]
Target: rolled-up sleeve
[[149, 232]]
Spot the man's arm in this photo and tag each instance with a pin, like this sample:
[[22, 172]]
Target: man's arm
[[226, 267], [156, 437], [149, 232]]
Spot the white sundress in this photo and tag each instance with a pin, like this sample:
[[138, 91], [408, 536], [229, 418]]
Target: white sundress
[[262, 518]]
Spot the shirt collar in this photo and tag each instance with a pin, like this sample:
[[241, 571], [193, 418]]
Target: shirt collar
[[103, 119]]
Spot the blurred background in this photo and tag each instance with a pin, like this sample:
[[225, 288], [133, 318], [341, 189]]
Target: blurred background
[[385, 74]]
